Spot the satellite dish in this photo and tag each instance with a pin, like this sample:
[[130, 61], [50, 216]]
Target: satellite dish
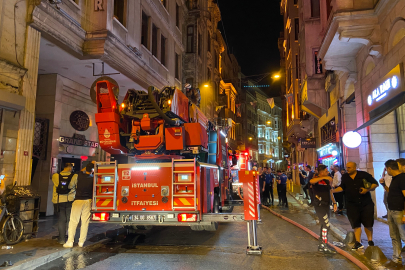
[[103, 78]]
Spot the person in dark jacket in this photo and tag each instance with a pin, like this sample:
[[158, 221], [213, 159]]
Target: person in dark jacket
[[81, 207]]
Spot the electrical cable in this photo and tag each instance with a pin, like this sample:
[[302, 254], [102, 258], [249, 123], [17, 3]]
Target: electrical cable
[[338, 250]]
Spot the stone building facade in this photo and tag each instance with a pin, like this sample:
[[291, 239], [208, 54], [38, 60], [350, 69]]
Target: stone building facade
[[137, 43], [19, 51], [365, 54]]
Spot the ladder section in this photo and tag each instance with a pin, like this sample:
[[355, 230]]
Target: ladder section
[[184, 184], [105, 186]]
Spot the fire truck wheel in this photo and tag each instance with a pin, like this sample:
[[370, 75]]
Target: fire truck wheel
[[214, 225], [211, 228], [197, 227]]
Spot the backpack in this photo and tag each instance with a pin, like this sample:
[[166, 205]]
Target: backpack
[[64, 182]]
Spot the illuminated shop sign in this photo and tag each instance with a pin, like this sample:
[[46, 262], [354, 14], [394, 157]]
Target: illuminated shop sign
[[328, 151], [381, 92], [387, 88], [78, 140]]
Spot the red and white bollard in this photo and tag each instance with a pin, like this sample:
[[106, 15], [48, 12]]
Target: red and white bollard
[[251, 209]]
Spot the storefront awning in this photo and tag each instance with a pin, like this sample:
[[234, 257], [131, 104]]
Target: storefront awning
[[384, 110]]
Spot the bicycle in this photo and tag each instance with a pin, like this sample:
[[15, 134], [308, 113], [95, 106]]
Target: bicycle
[[12, 226]]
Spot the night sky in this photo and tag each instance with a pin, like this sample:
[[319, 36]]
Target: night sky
[[252, 29]]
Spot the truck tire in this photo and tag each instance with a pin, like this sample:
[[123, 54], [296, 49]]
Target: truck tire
[[214, 225], [197, 227]]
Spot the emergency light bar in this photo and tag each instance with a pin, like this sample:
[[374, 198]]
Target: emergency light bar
[[145, 168]]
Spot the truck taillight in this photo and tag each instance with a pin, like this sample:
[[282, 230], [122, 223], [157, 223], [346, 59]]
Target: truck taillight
[[101, 216], [187, 217]]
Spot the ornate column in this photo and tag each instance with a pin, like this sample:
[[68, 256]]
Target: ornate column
[[27, 117]]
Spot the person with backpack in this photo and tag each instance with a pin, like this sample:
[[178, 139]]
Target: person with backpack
[[81, 207], [64, 189]]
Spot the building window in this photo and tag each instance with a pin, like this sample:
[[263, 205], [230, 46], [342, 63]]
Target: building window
[[209, 42], [295, 2], [190, 38], [154, 40], [216, 60], [267, 150], [315, 9], [208, 74], [177, 67], [177, 16], [144, 35], [317, 63], [119, 11], [164, 3], [259, 132], [297, 27], [297, 67], [163, 50], [199, 44], [190, 81], [192, 4], [261, 150]]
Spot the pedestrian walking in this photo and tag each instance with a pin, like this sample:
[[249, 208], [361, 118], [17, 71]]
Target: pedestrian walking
[[308, 187], [337, 180], [64, 189], [332, 171], [387, 180], [303, 181], [269, 180], [81, 207], [321, 185], [282, 189], [395, 199], [360, 207]]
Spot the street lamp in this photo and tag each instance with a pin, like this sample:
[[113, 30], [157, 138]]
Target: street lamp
[[250, 138], [268, 122], [206, 85], [276, 76]]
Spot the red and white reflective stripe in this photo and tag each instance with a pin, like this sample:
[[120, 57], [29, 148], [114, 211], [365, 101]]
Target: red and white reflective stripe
[[251, 194]]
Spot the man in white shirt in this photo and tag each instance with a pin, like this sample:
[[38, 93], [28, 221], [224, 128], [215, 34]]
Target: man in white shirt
[[337, 180]]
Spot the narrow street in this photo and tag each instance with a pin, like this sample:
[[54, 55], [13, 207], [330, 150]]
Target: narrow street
[[284, 245]]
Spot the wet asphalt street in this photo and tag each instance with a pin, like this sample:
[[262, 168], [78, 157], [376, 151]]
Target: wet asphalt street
[[284, 245]]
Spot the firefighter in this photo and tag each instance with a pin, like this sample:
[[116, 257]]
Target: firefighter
[[321, 185]]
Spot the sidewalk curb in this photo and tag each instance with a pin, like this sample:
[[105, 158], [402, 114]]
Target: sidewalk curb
[[337, 232], [32, 264]]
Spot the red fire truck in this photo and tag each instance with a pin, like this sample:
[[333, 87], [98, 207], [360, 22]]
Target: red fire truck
[[170, 163]]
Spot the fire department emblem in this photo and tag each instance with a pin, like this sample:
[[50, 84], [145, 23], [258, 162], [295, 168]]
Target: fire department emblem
[[126, 175], [106, 134]]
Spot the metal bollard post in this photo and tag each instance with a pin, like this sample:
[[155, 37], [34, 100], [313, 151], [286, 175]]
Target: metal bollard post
[[259, 220]]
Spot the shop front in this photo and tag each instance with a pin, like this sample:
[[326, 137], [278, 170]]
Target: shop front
[[329, 155], [384, 110]]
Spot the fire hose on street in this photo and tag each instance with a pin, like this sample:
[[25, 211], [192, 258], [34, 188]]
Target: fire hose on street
[[338, 250]]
